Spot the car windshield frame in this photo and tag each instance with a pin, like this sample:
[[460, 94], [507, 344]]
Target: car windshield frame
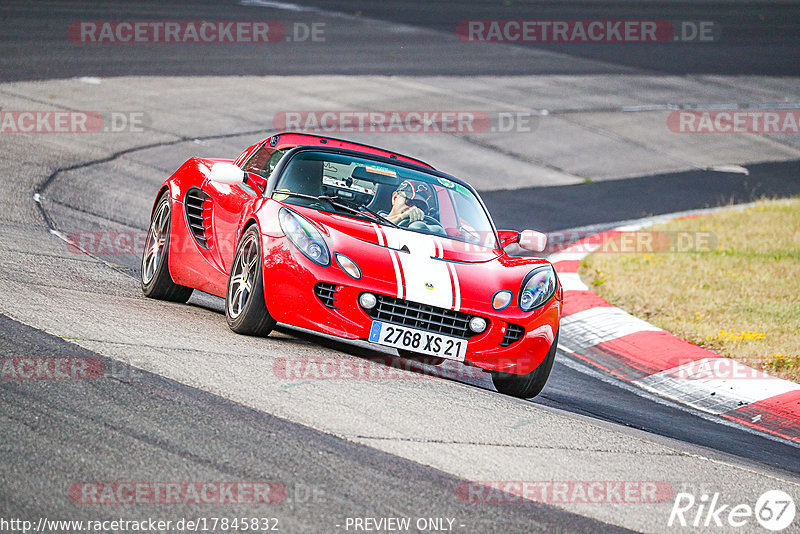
[[395, 172]]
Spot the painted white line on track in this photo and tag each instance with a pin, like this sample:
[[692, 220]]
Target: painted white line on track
[[568, 359], [566, 256], [718, 395], [571, 282], [597, 325]]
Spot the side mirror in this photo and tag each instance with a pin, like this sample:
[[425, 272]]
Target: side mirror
[[507, 237], [226, 173], [533, 240]]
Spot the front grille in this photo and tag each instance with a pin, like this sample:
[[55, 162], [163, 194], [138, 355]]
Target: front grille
[[326, 293], [423, 316], [198, 215], [514, 333]]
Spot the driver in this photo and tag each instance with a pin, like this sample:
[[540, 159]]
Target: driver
[[411, 201]]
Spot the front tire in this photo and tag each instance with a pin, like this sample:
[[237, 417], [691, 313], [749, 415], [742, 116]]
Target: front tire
[[529, 385], [157, 283], [245, 308]]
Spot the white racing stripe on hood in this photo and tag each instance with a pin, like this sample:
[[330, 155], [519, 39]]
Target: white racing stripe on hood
[[439, 247], [381, 239], [427, 280], [398, 272], [456, 287]]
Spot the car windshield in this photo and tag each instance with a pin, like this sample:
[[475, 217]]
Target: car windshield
[[387, 194]]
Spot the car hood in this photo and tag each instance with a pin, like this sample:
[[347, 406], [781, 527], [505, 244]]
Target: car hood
[[423, 268], [342, 227]]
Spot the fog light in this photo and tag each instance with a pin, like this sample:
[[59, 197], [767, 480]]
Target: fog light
[[367, 301], [477, 324]]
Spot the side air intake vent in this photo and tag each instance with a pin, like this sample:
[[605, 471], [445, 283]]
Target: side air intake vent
[[198, 215], [514, 333], [326, 293]]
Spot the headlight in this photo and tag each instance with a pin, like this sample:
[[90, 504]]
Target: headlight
[[538, 287], [304, 236]]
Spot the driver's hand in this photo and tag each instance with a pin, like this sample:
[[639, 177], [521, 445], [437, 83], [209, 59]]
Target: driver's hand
[[414, 214]]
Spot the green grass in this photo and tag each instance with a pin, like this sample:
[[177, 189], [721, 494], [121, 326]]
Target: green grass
[[739, 297]]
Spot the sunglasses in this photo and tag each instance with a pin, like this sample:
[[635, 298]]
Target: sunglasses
[[412, 197]]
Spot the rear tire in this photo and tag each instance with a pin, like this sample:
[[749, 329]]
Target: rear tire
[[245, 308], [156, 281], [529, 385]]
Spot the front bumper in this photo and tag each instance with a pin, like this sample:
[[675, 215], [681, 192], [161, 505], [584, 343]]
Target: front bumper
[[291, 299]]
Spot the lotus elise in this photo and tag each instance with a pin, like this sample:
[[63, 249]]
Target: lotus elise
[[361, 243]]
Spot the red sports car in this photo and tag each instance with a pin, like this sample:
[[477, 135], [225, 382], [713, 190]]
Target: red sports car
[[361, 243]]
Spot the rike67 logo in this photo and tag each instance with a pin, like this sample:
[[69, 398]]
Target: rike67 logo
[[774, 510]]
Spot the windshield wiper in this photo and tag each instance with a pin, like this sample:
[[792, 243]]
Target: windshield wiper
[[335, 203], [376, 215]]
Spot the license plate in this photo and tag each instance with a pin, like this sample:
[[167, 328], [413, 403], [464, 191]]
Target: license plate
[[420, 341]]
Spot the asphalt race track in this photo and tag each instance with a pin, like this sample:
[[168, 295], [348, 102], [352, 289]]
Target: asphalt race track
[[759, 38], [184, 399]]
